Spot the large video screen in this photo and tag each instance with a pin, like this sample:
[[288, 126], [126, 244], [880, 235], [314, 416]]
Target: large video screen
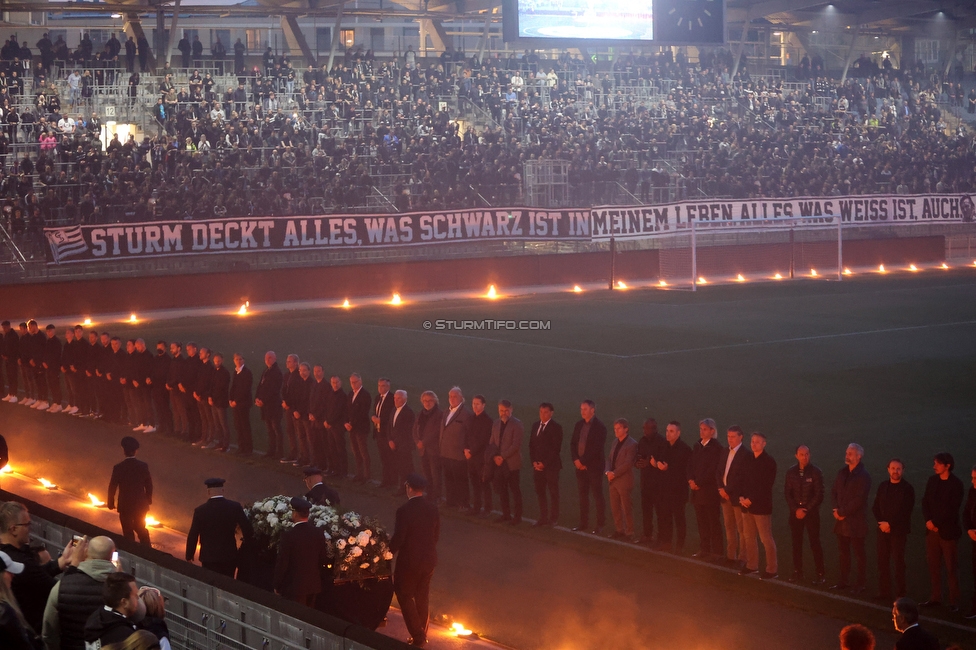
[[649, 21]]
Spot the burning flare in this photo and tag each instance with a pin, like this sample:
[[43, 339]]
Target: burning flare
[[621, 284], [778, 276], [88, 322], [577, 289], [396, 300], [881, 269], [458, 629], [152, 522], [133, 319], [848, 272], [492, 294], [95, 501], [345, 304], [48, 484], [702, 280], [662, 283], [813, 273], [243, 310], [740, 278], [912, 267]]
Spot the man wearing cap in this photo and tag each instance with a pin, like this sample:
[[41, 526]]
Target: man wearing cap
[[319, 493], [215, 525], [414, 540], [76, 596], [132, 480], [301, 555]]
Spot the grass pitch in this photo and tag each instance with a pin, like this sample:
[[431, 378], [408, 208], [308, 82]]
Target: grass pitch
[[888, 362]]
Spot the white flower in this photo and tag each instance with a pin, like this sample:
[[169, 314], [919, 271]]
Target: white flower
[[334, 528], [281, 507], [341, 544], [372, 542], [356, 551], [364, 565], [388, 556], [363, 538], [376, 560], [327, 536], [352, 540], [268, 506], [272, 520]]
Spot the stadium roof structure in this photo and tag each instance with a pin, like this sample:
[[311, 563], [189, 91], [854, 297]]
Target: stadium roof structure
[[892, 16]]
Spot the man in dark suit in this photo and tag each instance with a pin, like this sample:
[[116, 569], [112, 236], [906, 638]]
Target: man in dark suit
[[414, 540], [969, 525], [215, 524], [189, 374], [672, 462], [475, 444], [293, 391], [400, 440], [545, 446], [893, 505], [158, 375], [940, 509], [320, 392], [134, 484], [703, 481], [649, 446], [505, 448], [587, 449], [239, 399], [427, 439], [319, 493], [201, 398], [455, 422], [335, 430], [382, 411], [904, 614], [357, 424], [301, 555], [849, 496], [731, 478], [268, 399], [181, 422], [219, 400]]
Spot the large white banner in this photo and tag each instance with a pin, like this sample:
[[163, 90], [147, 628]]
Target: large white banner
[[636, 222]]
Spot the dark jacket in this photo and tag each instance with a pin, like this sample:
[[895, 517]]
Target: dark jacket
[[32, 586], [299, 394], [804, 488], [594, 453], [52, 353], [131, 478], [673, 482], [735, 482], [546, 448], [215, 524], [269, 392], [849, 497], [894, 503], [427, 429], [476, 438], [415, 536], [318, 399], [241, 384], [758, 484], [915, 638], [401, 432], [13, 634], [108, 626], [219, 390], [383, 409], [321, 493], [336, 405], [941, 504], [204, 379], [969, 512], [651, 447], [301, 556], [159, 371], [702, 470], [358, 411], [79, 594]]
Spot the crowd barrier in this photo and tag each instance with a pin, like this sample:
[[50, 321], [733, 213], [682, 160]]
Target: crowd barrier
[[208, 610]]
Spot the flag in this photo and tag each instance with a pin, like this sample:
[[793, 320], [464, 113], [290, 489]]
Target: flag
[[65, 242]]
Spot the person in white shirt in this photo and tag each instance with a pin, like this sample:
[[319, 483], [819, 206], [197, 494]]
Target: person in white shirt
[[67, 125]]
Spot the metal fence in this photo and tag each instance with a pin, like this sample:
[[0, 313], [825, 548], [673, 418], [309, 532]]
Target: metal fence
[[206, 611]]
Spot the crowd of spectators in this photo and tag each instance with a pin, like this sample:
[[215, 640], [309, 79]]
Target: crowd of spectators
[[371, 135]]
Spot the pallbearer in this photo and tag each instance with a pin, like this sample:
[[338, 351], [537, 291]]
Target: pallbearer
[[215, 524]]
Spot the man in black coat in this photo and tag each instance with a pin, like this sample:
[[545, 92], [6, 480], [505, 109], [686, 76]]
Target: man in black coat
[[158, 376], [178, 403], [267, 397], [672, 461], [476, 438], [293, 390], [320, 391], [114, 623], [215, 525], [51, 362], [33, 585], [702, 479], [904, 613], [239, 399], [414, 540], [201, 399], [189, 374], [649, 446], [357, 424], [804, 490], [335, 430], [940, 509], [381, 418], [319, 494], [587, 448], [301, 556], [219, 400], [849, 497], [730, 477], [893, 505], [134, 484], [140, 371], [9, 352], [545, 447], [400, 440], [756, 502]]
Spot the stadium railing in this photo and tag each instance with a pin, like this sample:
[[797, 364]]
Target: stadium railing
[[207, 610]]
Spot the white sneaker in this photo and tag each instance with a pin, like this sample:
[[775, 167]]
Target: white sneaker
[[13, 399], [41, 406], [30, 401], [149, 429], [72, 410], [55, 409], [141, 427]]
